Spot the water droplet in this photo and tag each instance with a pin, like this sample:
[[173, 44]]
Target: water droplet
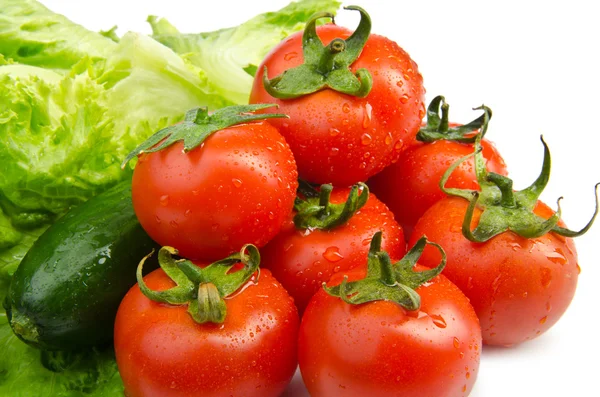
[[367, 115], [578, 268], [543, 319], [400, 83], [195, 192], [187, 212], [404, 98], [366, 139], [399, 145], [388, 138], [164, 200], [334, 151], [468, 375], [438, 320], [422, 111], [174, 224], [456, 342], [334, 132], [524, 294], [290, 55], [346, 108], [332, 254], [558, 257], [362, 165], [545, 276], [366, 241], [367, 155], [215, 227], [101, 261], [157, 219], [236, 182], [336, 269], [271, 215], [461, 354], [470, 283], [464, 389]]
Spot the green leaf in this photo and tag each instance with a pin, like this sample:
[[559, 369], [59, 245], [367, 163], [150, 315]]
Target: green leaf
[[224, 54], [33, 35], [27, 372]]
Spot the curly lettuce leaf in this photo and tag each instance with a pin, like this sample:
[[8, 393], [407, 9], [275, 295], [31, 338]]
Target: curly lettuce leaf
[[229, 57], [31, 34], [28, 372]]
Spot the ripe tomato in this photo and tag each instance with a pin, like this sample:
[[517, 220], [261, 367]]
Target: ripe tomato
[[303, 259], [238, 187], [343, 139], [411, 185], [381, 349], [162, 352], [519, 287]]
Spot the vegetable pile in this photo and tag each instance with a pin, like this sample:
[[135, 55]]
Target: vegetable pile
[[176, 224]]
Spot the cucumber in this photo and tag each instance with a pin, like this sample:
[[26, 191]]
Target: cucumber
[[66, 291]]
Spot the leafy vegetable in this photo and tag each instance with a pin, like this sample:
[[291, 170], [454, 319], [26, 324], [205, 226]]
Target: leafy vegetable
[[230, 56], [26, 371], [33, 35]]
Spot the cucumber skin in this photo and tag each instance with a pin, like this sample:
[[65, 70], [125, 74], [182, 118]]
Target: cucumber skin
[[70, 283]]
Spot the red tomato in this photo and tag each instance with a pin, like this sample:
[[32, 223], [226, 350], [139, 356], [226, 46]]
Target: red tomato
[[519, 287], [343, 139], [380, 349], [411, 185], [302, 260], [238, 187], [162, 352]]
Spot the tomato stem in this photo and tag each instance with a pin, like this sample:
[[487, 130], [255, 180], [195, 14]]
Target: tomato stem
[[503, 208], [325, 66], [386, 281], [319, 213], [202, 289], [438, 127]]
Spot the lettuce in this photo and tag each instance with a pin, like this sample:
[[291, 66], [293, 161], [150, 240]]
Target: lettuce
[[28, 372], [232, 54], [33, 35]]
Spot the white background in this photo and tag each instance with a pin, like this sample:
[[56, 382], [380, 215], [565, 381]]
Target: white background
[[536, 64]]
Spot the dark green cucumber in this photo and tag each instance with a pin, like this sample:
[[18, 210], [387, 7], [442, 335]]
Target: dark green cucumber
[[67, 289]]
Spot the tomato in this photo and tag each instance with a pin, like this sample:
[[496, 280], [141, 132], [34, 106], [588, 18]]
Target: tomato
[[238, 187], [411, 185], [519, 287], [381, 349], [339, 138], [162, 352], [303, 259]]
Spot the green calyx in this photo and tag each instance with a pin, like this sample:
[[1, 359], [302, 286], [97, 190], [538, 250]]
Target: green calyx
[[386, 281], [202, 289], [325, 66], [505, 209], [199, 125], [438, 128], [315, 211]]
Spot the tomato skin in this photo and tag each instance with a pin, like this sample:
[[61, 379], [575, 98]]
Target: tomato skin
[[519, 287], [162, 352], [379, 349], [411, 185], [236, 188], [303, 260], [342, 139]]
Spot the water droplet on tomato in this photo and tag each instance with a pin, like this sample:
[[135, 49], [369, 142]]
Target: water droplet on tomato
[[157, 219], [545, 276], [438, 320], [346, 108], [558, 257], [367, 155], [468, 375], [470, 283], [334, 132], [578, 268], [290, 55], [366, 139], [334, 151], [456, 342], [236, 182], [164, 200], [422, 111], [464, 389], [367, 115], [336, 269], [362, 165], [400, 83], [187, 212], [404, 98], [388, 138], [366, 241], [399, 145], [332, 254], [543, 319], [271, 215], [215, 227], [174, 224]]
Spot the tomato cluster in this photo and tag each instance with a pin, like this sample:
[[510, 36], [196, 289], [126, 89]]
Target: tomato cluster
[[319, 271]]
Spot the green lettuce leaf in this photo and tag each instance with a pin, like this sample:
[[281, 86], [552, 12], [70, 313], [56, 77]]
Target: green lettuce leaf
[[31, 34], [230, 56], [28, 372]]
